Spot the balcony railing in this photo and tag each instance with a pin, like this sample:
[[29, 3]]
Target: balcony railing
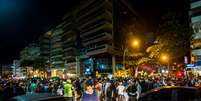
[[68, 57], [107, 26], [105, 16], [100, 49], [89, 12], [57, 49], [57, 62], [98, 38], [69, 48], [56, 56], [196, 19], [195, 4]]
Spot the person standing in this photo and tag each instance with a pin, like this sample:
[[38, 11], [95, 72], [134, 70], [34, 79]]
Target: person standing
[[131, 90], [98, 88], [120, 89], [33, 86], [68, 90], [89, 94], [60, 90], [139, 89], [8, 92], [105, 88]]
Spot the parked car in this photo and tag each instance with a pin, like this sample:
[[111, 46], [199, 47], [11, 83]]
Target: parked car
[[172, 93], [38, 97]]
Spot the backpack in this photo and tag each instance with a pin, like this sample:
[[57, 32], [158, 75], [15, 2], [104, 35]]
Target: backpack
[[131, 90]]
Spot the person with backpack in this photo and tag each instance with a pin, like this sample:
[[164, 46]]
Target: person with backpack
[[131, 90]]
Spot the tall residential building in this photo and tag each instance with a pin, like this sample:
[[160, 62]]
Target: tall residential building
[[7, 70], [70, 41], [195, 14], [45, 46], [56, 52], [90, 36], [93, 35], [17, 70]]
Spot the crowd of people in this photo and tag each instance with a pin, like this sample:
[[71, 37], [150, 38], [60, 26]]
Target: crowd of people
[[91, 89]]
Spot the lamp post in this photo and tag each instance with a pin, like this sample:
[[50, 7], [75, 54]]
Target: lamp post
[[124, 56], [135, 43], [165, 58]]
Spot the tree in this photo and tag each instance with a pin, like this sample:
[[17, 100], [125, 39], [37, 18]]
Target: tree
[[173, 38], [31, 57], [136, 60]]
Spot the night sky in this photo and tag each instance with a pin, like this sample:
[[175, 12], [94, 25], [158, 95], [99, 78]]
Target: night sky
[[22, 21]]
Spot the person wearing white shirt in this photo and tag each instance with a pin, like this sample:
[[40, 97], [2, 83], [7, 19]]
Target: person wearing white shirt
[[120, 89]]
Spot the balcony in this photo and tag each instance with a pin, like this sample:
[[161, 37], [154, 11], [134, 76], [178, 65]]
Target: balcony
[[196, 52], [47, 46], [69, 57], [197, 35], [89, 12], [57, 56], [99, 50], [105, 16], [98, 38], [56, 39], [196, 19], [46, 41], [195, 4], [71, 39], [85, 6], [57, 49], [57, 33], [68, 49], [68, 32], [106, 26], [57, 45], [57, 62], [45, 52]]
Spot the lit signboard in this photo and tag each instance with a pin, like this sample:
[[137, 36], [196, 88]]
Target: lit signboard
[[190, 65]]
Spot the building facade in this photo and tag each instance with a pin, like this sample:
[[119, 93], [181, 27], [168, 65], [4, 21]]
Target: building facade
[[45, 46], [88, 39], [17, 70], [7, 70], [195, 14], [56, 52]]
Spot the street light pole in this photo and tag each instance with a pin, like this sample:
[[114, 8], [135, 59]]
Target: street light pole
[[124, 58], [135, 43]]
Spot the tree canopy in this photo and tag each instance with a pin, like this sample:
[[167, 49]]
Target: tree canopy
[[173, 38]]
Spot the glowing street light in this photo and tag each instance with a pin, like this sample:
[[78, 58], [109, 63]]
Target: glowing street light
[[135, 43], [165, 58]]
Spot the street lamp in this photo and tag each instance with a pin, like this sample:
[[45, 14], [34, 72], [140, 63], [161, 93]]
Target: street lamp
[[135, 43], [165, 58]]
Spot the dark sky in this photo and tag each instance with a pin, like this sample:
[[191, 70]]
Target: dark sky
[[22, 21]]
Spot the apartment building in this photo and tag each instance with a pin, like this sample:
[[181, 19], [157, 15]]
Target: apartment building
[[195, 14], [89, 37], [56, 52], [95, 26]]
